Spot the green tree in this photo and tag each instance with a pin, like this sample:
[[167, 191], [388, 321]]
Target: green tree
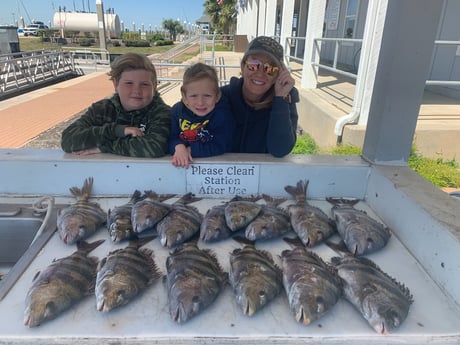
[[222, 16], [174, 27]]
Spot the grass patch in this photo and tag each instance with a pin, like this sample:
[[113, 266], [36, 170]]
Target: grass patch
[[442, 173], [305, 145]]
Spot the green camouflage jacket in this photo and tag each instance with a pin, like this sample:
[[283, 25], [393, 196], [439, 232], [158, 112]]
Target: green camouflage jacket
[[102, 125]]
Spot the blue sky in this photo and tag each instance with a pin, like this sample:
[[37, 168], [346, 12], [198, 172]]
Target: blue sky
[[149, 12]]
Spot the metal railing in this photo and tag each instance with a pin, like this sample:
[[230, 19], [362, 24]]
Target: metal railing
[[339, 42], [20, 71]]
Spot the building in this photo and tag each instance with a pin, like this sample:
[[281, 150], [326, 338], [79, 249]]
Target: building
[[347, 36]]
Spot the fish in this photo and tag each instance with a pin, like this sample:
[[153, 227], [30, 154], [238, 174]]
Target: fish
[[312, 286], [240, 212], [361, 233], [180, 224], [80, 220], [213, 227], [271, 222], [146, 213], [119, 222], [380, 299], [194, 280], [124, 273], [255, 278], [61, 285], [310, 223]]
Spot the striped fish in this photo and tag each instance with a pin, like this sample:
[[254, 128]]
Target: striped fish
[[214, 228], [380, 299], [81, 220], [123, 274], [146, 213], [361, 233], [61, 285], [119, 222], [312, 286], [194, 279], [180, 224], [271, 221], [310, 223], [255, 278]]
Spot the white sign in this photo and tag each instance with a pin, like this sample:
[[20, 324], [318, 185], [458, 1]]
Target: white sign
[[332, 14], [223, 180]]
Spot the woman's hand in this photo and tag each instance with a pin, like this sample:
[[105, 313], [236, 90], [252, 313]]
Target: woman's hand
[[284, 83]]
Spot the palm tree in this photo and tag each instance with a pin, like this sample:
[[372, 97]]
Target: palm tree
[[174, 27], [221, 14]]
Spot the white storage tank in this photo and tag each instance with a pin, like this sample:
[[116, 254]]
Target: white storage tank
[[87, 22]]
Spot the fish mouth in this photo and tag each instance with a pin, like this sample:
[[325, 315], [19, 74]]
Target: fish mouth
[[247, 309], [302, 317], [381, 329]]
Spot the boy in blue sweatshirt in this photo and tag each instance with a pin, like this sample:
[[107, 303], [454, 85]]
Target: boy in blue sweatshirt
[[202, 124]]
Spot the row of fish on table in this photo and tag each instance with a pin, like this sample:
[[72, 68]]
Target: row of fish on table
[[194, 275]]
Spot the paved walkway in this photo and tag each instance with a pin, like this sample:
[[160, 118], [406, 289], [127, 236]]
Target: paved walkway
[[26, 116]]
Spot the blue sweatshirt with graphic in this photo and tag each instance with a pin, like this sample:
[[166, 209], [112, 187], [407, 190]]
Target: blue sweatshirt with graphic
[[209, 135]]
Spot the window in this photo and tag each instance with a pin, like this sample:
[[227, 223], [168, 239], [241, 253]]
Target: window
[[350, 18]]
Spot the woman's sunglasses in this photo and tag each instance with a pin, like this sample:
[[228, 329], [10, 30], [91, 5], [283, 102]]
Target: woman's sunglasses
[[254, 65]]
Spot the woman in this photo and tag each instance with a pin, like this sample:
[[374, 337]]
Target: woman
[[263, 101]]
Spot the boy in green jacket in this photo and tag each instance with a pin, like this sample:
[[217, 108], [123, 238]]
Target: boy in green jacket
[[135, 121]]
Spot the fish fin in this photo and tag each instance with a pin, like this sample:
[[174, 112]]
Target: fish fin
[[343, 202], [88, 247], [243, 240], [294, 242], [339, 247]]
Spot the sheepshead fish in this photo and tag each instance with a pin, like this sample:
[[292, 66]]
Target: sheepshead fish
[[361, 233], [81, 220], [194, 280], [240, 212], [146, 213], [312, 286], [254, 276], [124, 273], [310, 223], [62, 284], [181, 223], [119, 222], [380, 299], [271, 222], [214, 228]]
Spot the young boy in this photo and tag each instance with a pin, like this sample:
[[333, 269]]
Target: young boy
[[202, 124], [135, 121]]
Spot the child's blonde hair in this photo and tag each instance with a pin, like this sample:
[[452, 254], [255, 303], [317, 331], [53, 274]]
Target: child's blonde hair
[[197, 72], [131, 61]]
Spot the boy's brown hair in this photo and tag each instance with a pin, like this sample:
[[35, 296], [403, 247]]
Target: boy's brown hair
[[199, 71], [131, 61]]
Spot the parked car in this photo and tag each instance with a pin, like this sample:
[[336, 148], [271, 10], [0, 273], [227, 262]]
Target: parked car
[[32, 29]]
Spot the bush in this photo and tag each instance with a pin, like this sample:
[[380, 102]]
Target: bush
[[84, 41], [163, 42], [116, 43], [140, 43]]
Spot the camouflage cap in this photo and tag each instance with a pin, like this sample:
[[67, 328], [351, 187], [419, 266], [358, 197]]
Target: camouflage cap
[[265, 45]]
